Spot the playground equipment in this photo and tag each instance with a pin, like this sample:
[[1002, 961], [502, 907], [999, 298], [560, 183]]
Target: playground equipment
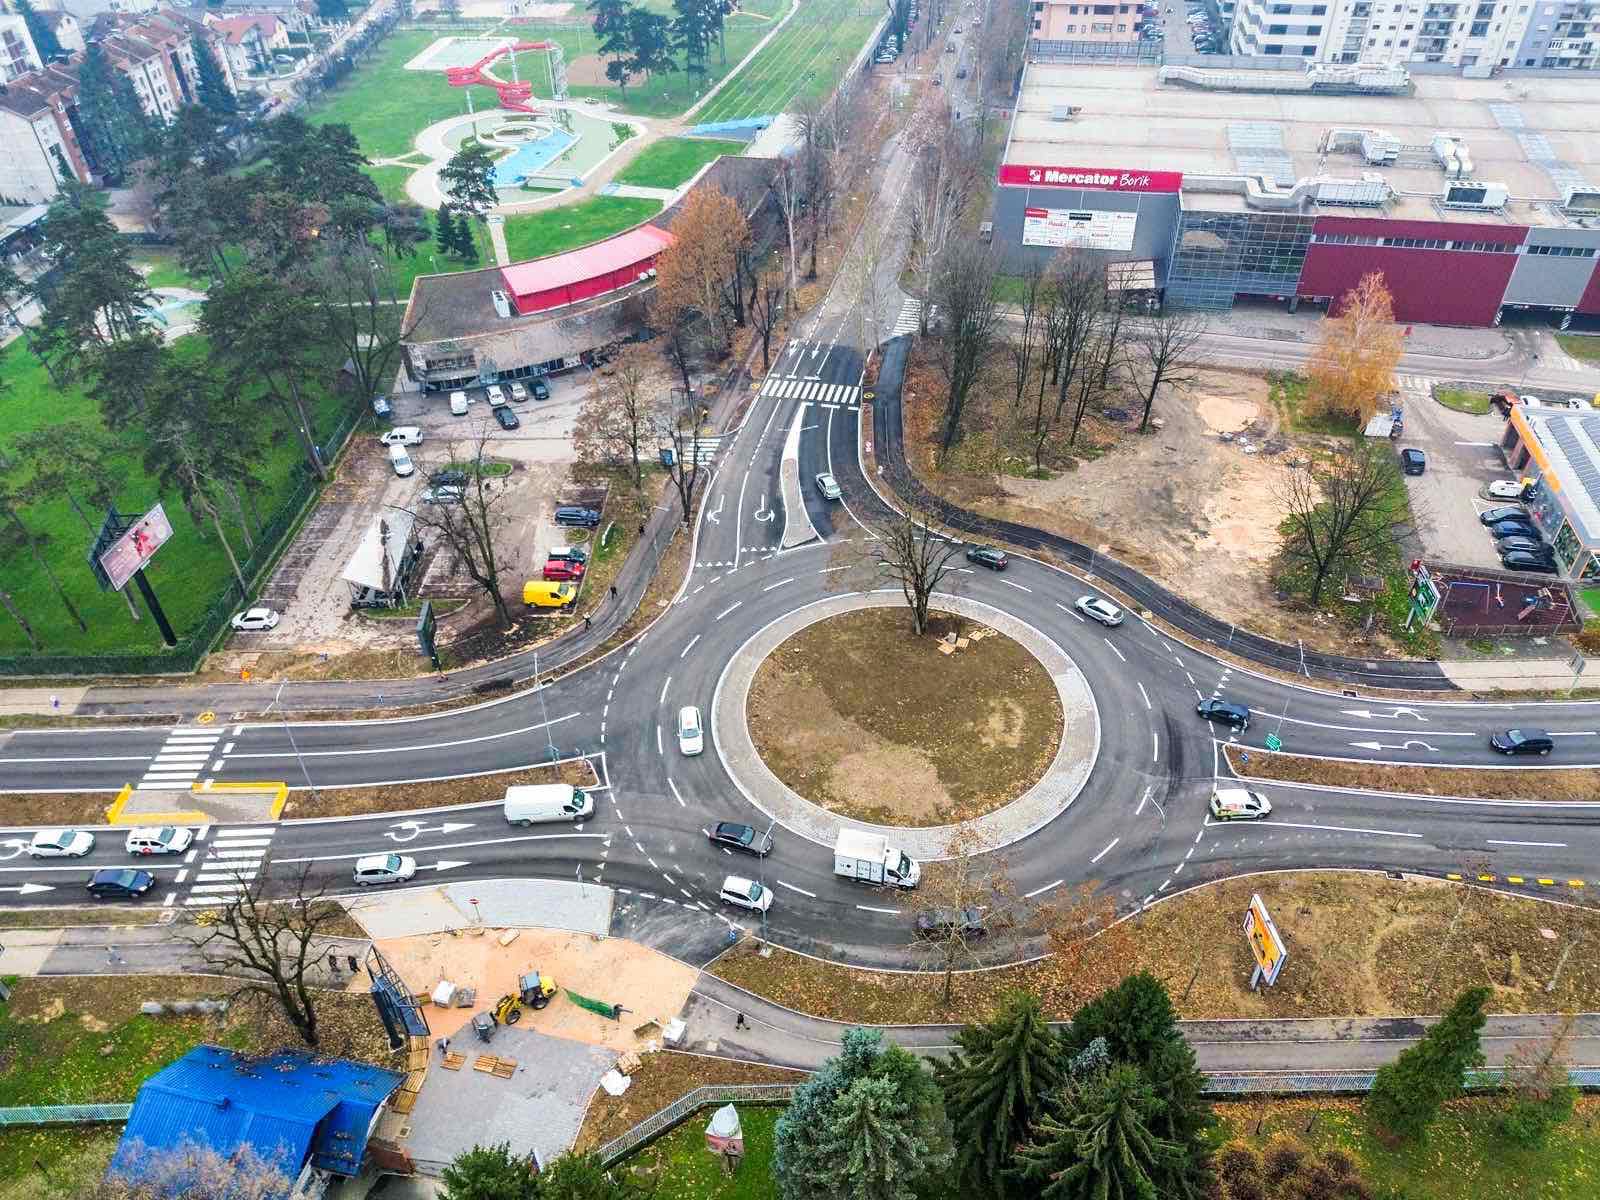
[[517, 93]]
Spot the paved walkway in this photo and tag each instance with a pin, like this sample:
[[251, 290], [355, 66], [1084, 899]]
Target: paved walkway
[[1513, 675], [491, 903]]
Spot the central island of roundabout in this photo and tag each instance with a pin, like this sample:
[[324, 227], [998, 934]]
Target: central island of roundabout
[[766, 681]]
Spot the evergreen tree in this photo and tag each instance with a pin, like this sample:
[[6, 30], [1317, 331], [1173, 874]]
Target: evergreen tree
[[317, 164], [333, 10], [574, 1176], [872, 1139], [649, 43], [111, 123], [489, 1173], [444, 230], [802, 1161], [211, 85], [44, 37], [994, 1085], [692, 33], [1407, 1093], [468, 180], [612, 30], [1096, 1144], [468, 243]]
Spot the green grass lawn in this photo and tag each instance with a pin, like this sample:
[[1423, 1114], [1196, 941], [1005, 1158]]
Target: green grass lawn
[[807, 58], [1463, 401], [74, 1158], [188, 573], [1580, 345], [162, 270], [534, 235], [1288, 392], [391, 182], [680, 1166], [673, 161]]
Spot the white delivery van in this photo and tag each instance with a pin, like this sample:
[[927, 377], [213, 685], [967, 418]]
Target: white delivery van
[[547, 802], [1239, 804], [400, 460]]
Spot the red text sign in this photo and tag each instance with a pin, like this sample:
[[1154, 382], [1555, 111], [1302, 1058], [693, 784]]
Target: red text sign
[[1105, 179]]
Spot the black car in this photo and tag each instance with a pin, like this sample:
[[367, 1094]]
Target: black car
[[1513, 529], [540, 389], [1506, 512], [988, 556], [507, 418], [1523, 545], [1235, 715], [1522, 741], [1413, 462], [741, 837], [120, 884], [574, 514], [942, 924], [451, 478], [1521, 560]]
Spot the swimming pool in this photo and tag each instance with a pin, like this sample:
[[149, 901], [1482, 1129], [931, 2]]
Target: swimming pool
[[532, 158]]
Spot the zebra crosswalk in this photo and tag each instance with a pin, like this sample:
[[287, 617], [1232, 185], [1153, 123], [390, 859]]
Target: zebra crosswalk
[[1415, 385], [228, 865], [828, 395], [910, 318], [181, 758]]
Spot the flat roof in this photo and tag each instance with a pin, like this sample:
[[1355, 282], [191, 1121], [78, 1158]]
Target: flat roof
[[1127, 119], [576, 266], [1570, 441]]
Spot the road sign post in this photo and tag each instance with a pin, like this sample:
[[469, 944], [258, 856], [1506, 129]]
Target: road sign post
[[1274, 742], [1576, 665]]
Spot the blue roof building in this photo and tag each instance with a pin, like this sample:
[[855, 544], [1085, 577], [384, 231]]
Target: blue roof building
[[289, 1107]]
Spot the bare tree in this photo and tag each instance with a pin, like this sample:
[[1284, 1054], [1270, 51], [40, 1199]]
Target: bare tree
[[1162, 354], [917, 553], [768, 294], [467, 515], [1031, 306], [1079, 301], [680, 427], [1343, 514], [1090, 948], [789, 191], [360, 293], [614, 423], [965, 291], [947, 174], [968, 902], [187, 1171], [273, 946]]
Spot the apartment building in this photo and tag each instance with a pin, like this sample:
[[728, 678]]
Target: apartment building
[[17, 53], [1064, 21]]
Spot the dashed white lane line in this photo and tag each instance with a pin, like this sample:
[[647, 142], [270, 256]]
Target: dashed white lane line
[[1199, 835], [1155, 746], [1109, 847], [1165, 884], [1343, 829], [690, 646], [1114, 649], [893, 912], [666, 683], [779, 584], [829, 571], [1041, 891], [1178, 870], [1504, 842], [228, 749], [659, 750], [669, 879], [1145, 694], [676, 795], [729, 609], [792, 888], [1018, 586]]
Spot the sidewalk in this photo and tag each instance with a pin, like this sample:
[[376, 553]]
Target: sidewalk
[[1513, 675]]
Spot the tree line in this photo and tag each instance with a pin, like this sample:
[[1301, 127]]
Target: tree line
[[638, 41]]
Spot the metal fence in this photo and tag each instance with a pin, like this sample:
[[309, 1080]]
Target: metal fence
[[64, 1114], [675, 1114]]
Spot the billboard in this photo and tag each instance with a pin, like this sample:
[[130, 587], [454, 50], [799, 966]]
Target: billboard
[[1265, 943], [1078, 227], [1101, 179], [125, 556]]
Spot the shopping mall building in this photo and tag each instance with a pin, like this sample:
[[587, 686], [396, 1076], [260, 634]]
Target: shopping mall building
[[1476, 198]]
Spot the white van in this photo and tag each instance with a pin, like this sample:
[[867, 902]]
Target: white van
[[400, 461], [547, 802], [1239, 804]]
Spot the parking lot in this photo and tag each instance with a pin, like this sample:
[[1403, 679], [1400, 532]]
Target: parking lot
[[1170, 17]]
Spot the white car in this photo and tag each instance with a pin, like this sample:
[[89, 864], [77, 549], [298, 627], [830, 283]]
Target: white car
[[384, 868], [159, 839], [402, 435], [746, 893], [1506, 489], [497, 398], [1096, 609], [691, 737], [253, 619], [445, 493], [458, 403], [828, 486], [518, 392], [61, 843]]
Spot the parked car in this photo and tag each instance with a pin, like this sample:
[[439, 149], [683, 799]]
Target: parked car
[[1237, 716], [158, 839], [1521, 560], [828, 486], [1506, 512], [1506, 489], [449, 493], [1525, 545], [458, 403], [507, 418], [574, 514], [1096, 609], [945, 924], [746, 838], [988, 556], [1412, 461], [691, 735], [402, 435], [746, 893], [253, 620], [61, 843], [563, 570], [380, 406], [1513, 529], [495, 395], [540, 593], [124, 884], [401, 461], [1522, 741], [540, 389], [384, 868], [575, 553], [516, 391], [449, 477]]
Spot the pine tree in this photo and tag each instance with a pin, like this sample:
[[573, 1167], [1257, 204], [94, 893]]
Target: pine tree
[[44, 38], [112, 125], [468, 179], [871, 1137], [1096, 1143], [211, 87], [1408, 1092], [994, 1085], [466, 242], [444, 230], [489, 1173]]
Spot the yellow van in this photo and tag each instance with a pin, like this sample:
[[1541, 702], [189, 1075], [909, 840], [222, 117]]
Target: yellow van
[[542, 593]]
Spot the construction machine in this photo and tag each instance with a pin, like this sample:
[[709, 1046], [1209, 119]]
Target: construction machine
[[534, 990]]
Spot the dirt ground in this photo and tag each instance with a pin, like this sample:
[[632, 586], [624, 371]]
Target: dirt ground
[[1359, 945], [660, 1080], [865, 719], [589, 70], [650, 986], [1574, 784]]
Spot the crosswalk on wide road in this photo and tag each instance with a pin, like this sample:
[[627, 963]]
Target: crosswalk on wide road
[[227, 864], [181, 758], [842, 395], [910, 318]]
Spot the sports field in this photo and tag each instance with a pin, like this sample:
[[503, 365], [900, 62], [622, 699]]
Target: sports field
[[806, 58]]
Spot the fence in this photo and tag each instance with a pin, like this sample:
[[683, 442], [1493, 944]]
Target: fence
[[64, 1114], [676, 1113]]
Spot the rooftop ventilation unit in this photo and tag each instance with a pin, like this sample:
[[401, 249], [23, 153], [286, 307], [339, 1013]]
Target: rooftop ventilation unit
[[1581, 198], [1064, 112], [1370, 191], [1450, 152], [1484, 196], [502, 303]]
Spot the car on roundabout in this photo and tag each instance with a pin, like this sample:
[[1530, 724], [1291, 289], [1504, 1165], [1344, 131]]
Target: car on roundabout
[[747, 839], [691, 734], [1096, 609], [1239, 804], [988, 556], [1224, 712], [745, 893]]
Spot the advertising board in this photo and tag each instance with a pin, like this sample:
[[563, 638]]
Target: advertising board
[[1085, 228]]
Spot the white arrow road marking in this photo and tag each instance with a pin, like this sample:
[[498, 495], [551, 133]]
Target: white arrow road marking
[[1367, 714], [443, 865], [28, 889], [14, 847], [716, 517], [1409, 744], [763, 513], [411, 830]]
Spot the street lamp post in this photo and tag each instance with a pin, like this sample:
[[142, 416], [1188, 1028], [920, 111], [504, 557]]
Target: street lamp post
[[288, 730]]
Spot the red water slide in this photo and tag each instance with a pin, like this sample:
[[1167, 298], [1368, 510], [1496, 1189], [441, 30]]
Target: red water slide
[[514, 95]]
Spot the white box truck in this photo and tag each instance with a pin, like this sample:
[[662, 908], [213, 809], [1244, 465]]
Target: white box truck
[[869, 858]]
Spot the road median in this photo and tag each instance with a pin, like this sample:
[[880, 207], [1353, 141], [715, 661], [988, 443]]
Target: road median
[[1555, 783]]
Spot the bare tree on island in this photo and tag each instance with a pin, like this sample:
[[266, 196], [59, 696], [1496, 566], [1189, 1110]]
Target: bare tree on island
[[274, 946], [972, 902], [1162, 355], [917, 554], [470, 522]]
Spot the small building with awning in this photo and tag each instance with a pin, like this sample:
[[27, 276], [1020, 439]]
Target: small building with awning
[[386, 567]]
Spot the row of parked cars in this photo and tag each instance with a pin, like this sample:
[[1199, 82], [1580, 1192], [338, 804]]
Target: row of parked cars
[[1517, 540]]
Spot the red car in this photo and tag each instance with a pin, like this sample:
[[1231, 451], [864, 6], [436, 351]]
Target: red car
[[563, 569]]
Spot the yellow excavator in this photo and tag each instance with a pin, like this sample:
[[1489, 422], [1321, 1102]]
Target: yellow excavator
[[534, 990]]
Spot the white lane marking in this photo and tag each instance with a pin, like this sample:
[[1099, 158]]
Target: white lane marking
[[1114, 649], [1165, 885], [1335, 828], [181, 876], [1041, 891], [658, 739], [1145, 694], [1018, 586], [893, 912], [664, 686], [690, 646], [1505, 842], [228, 749], [1109, 847], [779, 584], [676, 795], [792, 888], [729, 609], [501, 841], [1155, 746], [488, 737]]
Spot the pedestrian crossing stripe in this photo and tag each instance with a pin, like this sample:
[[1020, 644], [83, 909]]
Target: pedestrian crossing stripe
[[786, 388]]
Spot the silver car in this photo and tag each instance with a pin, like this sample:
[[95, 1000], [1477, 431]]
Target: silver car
[[61, 843]]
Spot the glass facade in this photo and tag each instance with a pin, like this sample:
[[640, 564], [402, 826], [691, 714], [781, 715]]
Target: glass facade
[[1221, 255]]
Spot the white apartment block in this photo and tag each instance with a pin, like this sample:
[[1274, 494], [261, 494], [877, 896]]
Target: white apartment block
[[1560, 34], [17, 53]]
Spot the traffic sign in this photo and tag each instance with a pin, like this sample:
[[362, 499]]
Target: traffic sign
[[1274, 742]]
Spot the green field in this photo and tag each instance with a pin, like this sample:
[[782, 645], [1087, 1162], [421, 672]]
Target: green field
[[1462, 401], [188, 573], [673, 161], [807, 58], [162, 270], [681, 1166], [1580, 345], [534, 235]]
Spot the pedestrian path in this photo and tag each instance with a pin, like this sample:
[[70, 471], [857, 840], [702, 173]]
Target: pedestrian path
[[824, 395], [1415, 385], [910, 318], [181, 759], [226, 864]]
